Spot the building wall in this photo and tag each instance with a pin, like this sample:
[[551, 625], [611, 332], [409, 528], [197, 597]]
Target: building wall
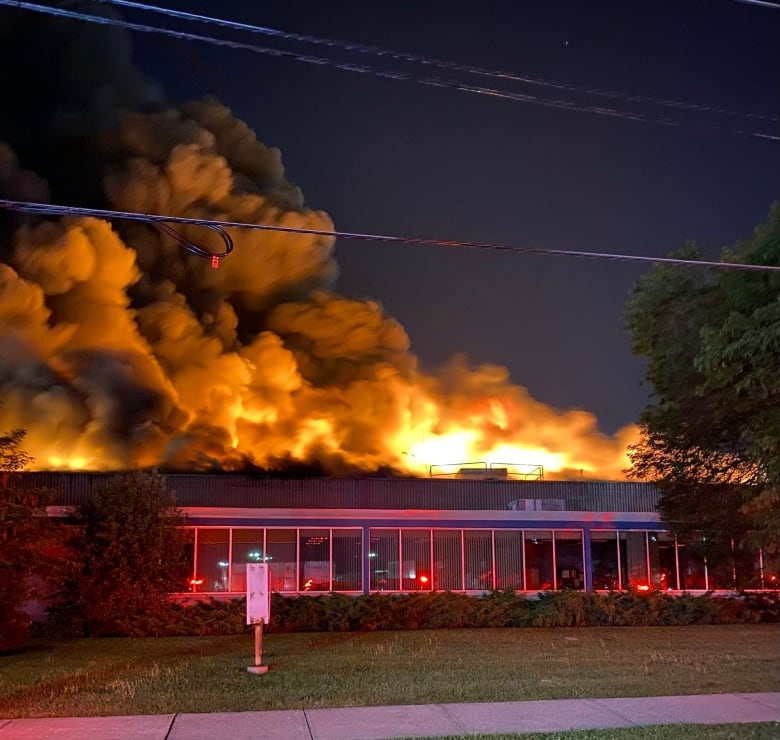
[[362, 551], [359, 535], [242, 491]]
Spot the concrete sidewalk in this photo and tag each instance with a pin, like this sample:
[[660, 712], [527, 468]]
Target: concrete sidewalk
[[426, 720]]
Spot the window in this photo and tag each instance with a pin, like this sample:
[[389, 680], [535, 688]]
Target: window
[[568, 560], [347, 560], [633, 560], [282, 557], [604, 561], [509, 558], [748, 565], [416, 554], [478, 548], [447, 560], [692, 569], [212, 559], [314, 548], [663, 560], [248, 547], [383, 555], [539, 560]]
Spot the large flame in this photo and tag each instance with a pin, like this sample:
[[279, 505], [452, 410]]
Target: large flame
[[118, 349]]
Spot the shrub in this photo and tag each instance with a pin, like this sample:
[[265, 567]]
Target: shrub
[[765, 606], [568, 609], [127, 556], [343, 613], [448, 610], [29, 543]]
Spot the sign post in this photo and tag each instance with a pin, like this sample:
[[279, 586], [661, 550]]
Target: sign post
[[258, 608]]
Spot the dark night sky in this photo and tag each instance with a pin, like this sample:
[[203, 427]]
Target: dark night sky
[[401, 158]]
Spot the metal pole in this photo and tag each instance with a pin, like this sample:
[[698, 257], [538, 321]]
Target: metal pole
[[259, 643]]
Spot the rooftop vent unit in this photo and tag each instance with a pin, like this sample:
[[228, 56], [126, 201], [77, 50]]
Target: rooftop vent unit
[[537, 504], [483, 473]]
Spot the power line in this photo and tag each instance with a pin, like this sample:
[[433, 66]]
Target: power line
[[427, 61], [57, 210], [160, 222], [324, 61], [762, 3]]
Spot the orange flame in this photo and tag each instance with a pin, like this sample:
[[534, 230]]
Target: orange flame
[[118, 350]]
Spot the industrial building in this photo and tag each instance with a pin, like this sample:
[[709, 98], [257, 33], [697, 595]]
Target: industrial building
[[471, 534]]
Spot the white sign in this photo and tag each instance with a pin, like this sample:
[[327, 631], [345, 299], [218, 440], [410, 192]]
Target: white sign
[[258, 593]]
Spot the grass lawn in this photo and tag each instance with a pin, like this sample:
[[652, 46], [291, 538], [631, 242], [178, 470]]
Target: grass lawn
[[208, 674]]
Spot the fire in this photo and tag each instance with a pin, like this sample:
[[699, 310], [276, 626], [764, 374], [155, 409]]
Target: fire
[[118, 350], [561, 444], [73, 463]]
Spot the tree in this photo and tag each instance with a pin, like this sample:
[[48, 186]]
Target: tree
[[130, 553], [12, 457], [26, 538], [711, 434]]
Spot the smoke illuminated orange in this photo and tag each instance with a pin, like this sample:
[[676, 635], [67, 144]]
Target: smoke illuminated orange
[[118, 350]]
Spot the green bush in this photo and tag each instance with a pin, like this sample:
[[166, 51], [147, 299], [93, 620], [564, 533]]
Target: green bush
[[767, 606], [444, 610], [568, 609], [30, 549], [128, 552]]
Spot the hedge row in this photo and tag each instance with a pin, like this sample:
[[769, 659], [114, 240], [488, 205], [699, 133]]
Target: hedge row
[[342, 613], [338, 613]]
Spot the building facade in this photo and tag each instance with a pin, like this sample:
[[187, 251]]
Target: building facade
[[362, 535]]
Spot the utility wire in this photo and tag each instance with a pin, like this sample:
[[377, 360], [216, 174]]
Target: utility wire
[[762, 3], [57, 210], [428, 61], [160, 222], [324, 61]]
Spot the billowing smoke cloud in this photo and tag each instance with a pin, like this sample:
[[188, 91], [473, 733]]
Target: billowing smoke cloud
[[119, 349]]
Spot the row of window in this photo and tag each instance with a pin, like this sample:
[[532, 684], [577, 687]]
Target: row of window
[[411, 559]]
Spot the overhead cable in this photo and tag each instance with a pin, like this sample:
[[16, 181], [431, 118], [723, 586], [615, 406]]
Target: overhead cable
[[427, 61], [389, 74], [163, 223], [57, 210], [762, 3]]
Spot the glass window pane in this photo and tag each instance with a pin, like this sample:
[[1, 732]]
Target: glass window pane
[[769, 569], [604, 560], [568, 559], [633, 556], [734, 567], [213, 559], [538, 560], [315, 559], [478, 547], [247, 548], [447, 563], [416, 553], [748, 566], [347, 560], [509, 558], [721, 574], [384, 572], [280, 549], [663, 568], [189, 548], [691, 569]]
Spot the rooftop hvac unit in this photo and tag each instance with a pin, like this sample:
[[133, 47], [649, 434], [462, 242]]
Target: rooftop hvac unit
[[537, 504], [483, 473], [487, 471]]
